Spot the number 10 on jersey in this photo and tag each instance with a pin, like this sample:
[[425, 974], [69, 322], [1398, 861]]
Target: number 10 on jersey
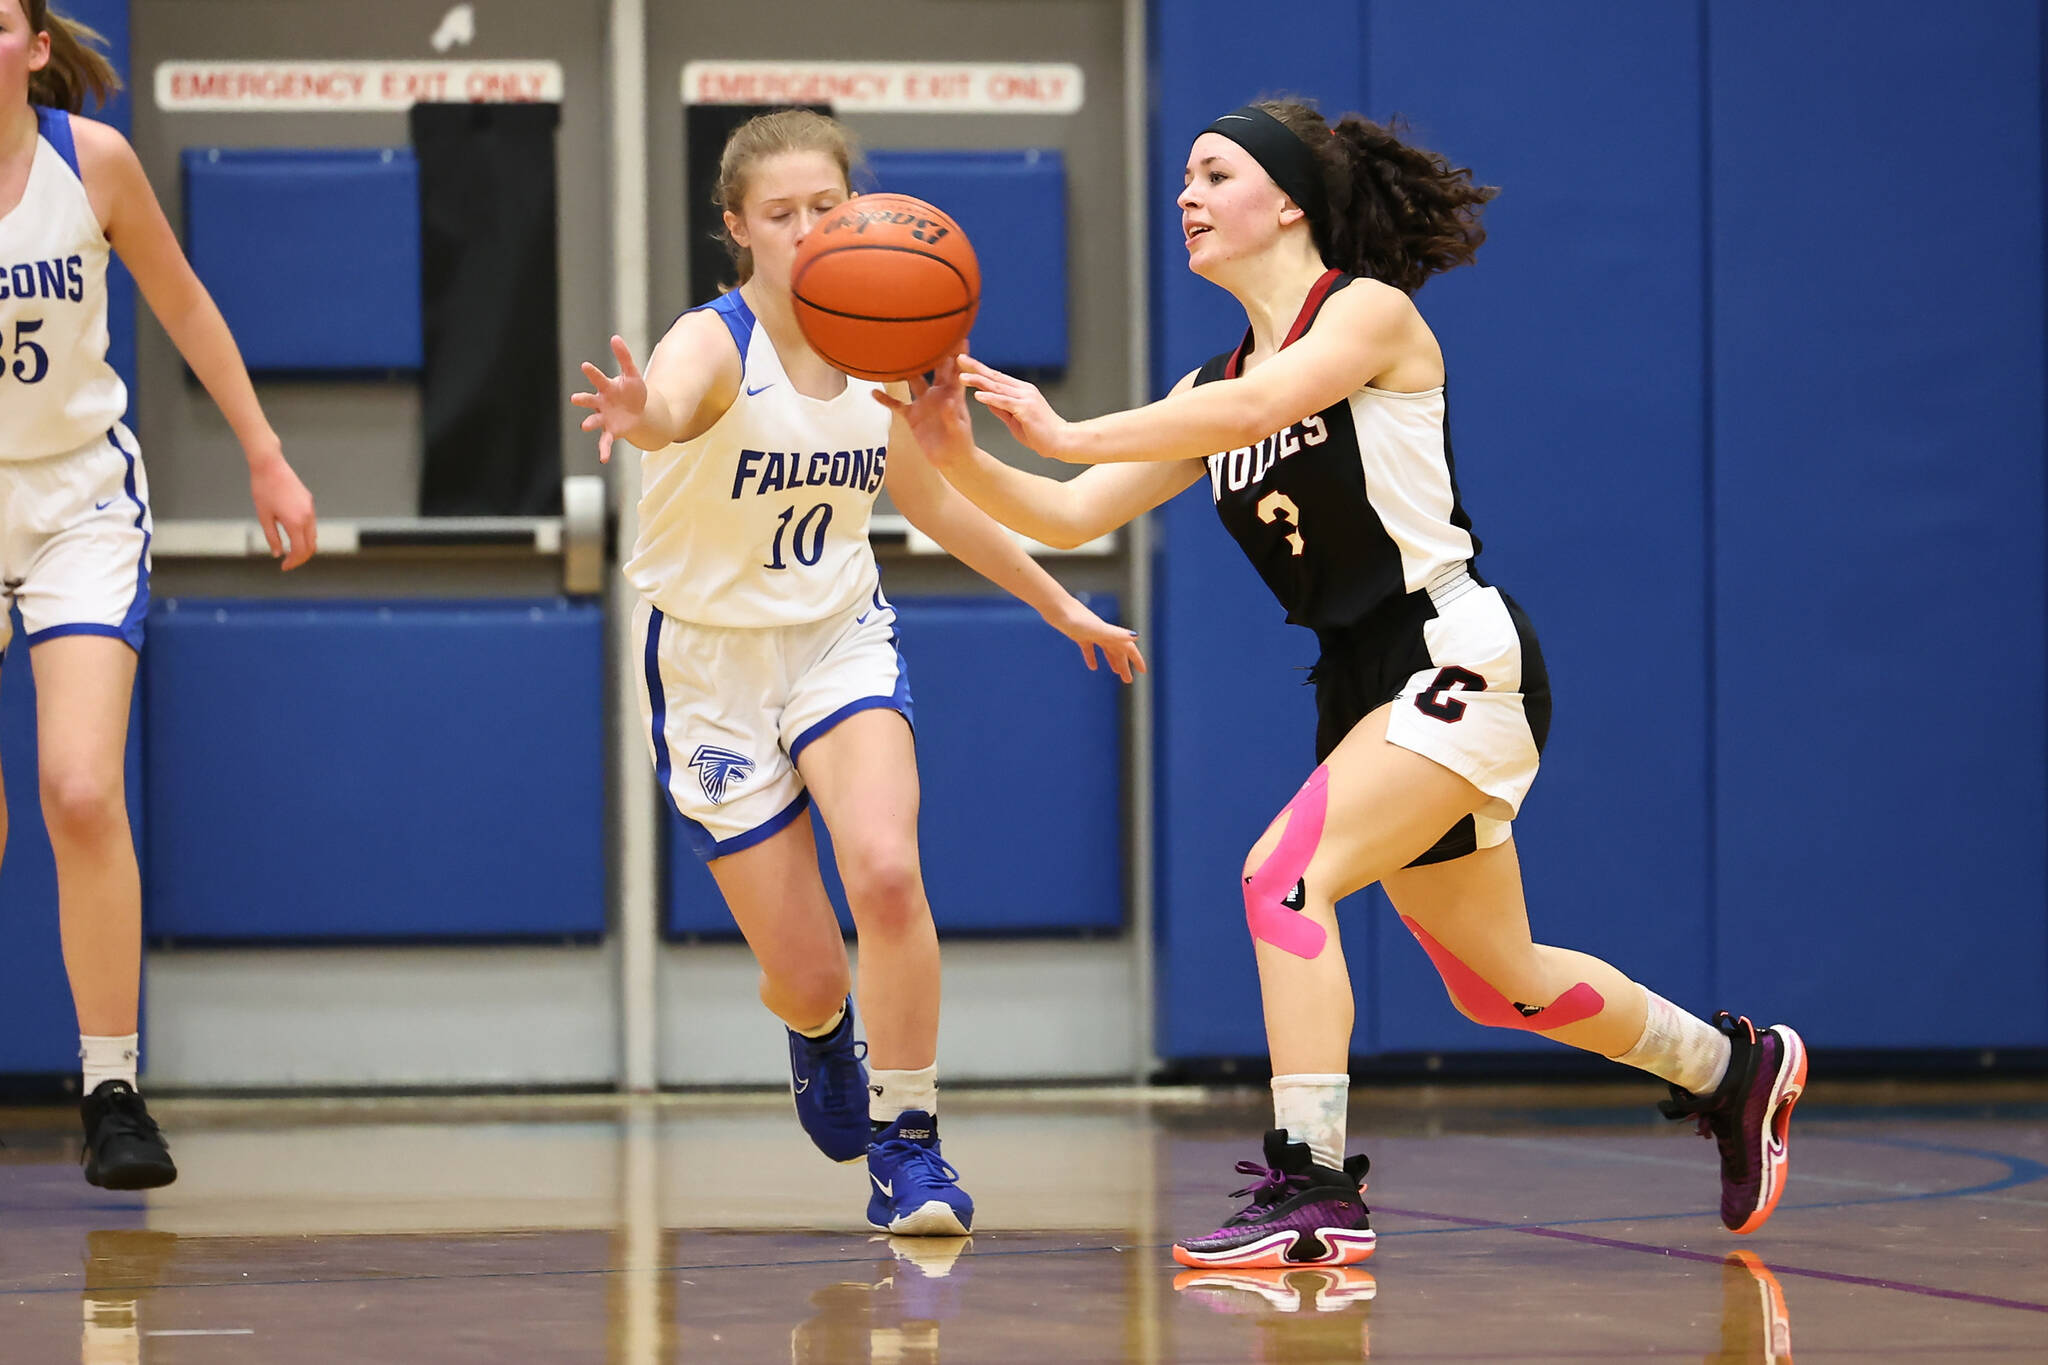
[[806, 537]]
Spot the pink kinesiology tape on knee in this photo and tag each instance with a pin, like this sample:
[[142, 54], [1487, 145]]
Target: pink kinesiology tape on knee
[[1489, 1006], [1266, 907]]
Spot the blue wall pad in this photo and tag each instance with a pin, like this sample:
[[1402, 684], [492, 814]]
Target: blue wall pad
[[1235, 729], [312, 254], [1019, 752], [109, 18], [1878, 494], [1585, 477], [359, 771], [1013, 206], [38, 1031]]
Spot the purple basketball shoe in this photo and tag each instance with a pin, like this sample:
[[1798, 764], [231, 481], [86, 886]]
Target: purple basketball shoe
[[1300, 1214], [1749, 1116]]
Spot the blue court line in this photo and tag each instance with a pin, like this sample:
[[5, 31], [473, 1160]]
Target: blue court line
[[2020, 1170]]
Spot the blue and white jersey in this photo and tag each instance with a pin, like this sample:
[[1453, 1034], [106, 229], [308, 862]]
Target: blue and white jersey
[[57, 392], [763, 520]]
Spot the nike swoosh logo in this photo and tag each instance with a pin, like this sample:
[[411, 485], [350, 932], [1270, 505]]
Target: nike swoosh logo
[[763, 389], [862, 619], [1241, 118], [886, 1187], [103, 506], [803, 1085]]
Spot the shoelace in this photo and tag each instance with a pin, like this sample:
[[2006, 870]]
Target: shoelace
[[926, 1161], [125, 1117], [840, 1075], [1271, 1187]]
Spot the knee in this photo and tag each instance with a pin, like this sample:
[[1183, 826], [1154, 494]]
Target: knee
[[82, 807], [884, 887], [806, 996]]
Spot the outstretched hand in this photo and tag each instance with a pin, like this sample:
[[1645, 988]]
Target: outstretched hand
[[1118, 644], [1021, 406], [618, 405], [937, 414]]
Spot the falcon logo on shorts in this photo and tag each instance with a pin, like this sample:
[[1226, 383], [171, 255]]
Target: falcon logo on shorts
[[718, 769]]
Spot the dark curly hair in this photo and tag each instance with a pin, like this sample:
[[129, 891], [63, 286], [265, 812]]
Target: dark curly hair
[[1397, 213]]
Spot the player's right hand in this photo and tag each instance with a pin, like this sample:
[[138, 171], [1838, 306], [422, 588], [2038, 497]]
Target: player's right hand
[[618, 405], [937, 414]]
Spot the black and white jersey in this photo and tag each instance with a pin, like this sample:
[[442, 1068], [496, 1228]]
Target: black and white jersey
[[1349, 507]]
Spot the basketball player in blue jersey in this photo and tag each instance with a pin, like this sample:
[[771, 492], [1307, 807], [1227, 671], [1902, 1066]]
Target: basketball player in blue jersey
[[1323, 442], [771, 668], [75, 521]]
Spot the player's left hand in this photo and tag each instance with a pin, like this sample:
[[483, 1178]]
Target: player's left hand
[[284, 509], [1021, 406], [936, 414], [1119, 645]]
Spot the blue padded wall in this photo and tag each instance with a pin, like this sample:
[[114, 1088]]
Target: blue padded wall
[[313, 254], [1013, 206], [358, 771], [1235, 728], [110, 19], [38, 1031], [1020, 758], [1584, 471], [1878, 517], [1753, 425]]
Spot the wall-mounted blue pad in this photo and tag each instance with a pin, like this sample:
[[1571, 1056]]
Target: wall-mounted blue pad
[[1020, 760], [1013, 206], [338, 771], [312, 254]]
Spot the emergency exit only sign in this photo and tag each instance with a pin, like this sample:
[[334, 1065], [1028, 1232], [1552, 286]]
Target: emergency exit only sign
[[891, 87]]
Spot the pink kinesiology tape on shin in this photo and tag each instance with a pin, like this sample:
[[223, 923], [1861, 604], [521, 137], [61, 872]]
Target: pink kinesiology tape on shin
[[1267, 908], [1489, 1006]]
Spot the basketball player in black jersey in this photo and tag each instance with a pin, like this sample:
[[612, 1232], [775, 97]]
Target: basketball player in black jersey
[[1322, 438]]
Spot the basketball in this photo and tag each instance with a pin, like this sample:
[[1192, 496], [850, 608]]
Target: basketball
[[885, 287]]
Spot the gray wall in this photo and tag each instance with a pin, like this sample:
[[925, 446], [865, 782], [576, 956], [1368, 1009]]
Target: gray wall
[[229, 1018], [356, 443], [1088, 33]]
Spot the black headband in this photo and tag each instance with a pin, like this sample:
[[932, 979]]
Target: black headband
[[1283, 156]]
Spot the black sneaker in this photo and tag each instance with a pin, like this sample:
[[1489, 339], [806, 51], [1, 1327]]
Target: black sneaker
[[123, 1148], [1749, 1116], [1300, 1214]]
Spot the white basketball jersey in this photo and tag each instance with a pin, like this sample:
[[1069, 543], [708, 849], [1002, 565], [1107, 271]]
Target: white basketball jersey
[[57, 392], [763, 520]]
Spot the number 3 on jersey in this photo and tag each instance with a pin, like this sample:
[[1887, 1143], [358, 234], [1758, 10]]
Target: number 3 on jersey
[[806, 538]]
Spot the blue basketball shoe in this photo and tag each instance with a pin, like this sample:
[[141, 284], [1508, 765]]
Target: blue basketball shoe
[[829, 1082], [911, 1190]]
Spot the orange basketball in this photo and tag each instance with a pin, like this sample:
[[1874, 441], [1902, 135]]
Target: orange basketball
[[885, 287]]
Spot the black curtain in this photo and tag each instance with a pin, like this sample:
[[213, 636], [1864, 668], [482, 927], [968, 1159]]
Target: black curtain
[[491, 390], [705, 129]]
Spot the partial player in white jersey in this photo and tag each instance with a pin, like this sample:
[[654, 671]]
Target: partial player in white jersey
[[75, 521], [770, 668], [1323, 439]]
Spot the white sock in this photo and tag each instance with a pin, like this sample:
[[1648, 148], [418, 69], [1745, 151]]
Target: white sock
[[1310, 1107], [893, 1092], [108, 1059], [1683, 1049], [825, 1028]]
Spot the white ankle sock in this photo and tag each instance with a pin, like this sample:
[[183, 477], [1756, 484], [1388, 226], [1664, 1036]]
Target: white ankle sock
[[108, 1059], [1681, 1048], [825, 1028], [1310, 1106], [892, 1092]]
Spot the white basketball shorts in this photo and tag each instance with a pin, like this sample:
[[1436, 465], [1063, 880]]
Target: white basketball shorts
[[728, 711], [74, 542]]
